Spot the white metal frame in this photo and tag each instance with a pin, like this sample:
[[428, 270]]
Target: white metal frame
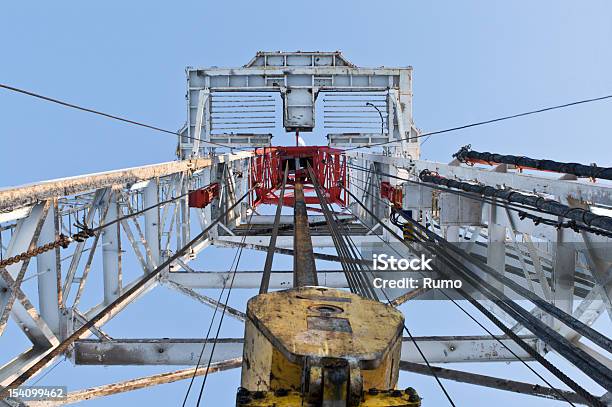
[[35, 214]]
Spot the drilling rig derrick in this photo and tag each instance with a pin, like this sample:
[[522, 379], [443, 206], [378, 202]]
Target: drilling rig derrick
[[320, 332]]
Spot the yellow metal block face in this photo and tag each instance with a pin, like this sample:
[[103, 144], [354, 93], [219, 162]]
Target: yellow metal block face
[[269, 399], [304, 339], [256, 359], [326, 323], [285, 375], [387, 374], [388, 399], [294, 399], [264, 367]]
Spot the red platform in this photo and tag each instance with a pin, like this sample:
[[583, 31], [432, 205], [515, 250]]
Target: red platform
[[268, 166]]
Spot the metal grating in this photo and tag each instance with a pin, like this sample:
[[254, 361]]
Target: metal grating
[[355, 112], [243, 112]]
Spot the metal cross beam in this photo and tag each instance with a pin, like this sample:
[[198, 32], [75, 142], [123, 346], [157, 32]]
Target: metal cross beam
[[437, 349], [493, 382]]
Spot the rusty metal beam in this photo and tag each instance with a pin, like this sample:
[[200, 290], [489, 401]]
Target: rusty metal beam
[[119, 302], [280, 250], [13, 198], [211, 302], [20, 363], [17, 197], [81, 319], [185, 351], [139, 383], [304, 269], [493, 382], [154, 351], [408, 296]]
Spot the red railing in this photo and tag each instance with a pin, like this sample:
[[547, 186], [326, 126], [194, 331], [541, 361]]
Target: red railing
[[268, 165]]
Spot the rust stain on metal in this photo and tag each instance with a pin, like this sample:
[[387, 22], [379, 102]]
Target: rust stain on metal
[[140, 383], [16, 197]]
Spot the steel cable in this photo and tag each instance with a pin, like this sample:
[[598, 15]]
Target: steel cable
[[229, 292], [514, 206], [362, 273], [356, 280], [475, 124], [553, 369], [84, 233], [125, 296], [208, 334], [111, 116]]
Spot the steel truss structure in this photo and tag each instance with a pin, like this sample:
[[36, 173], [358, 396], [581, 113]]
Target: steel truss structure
[[145, 214]]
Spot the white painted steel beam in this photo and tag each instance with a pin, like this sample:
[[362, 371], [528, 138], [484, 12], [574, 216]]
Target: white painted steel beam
[[563, 189], [280, 279], [22, 311], [286, 242], [20, 364], [99, 202], [111, 253], [445, 349], [152, 222], [564, 273], [459, 349], [136, 384], [153, 351], [20, 196], [47, 268], [493, 382], [211, 302]]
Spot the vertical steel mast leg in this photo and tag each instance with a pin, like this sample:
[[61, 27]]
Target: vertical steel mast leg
[[304, 270]]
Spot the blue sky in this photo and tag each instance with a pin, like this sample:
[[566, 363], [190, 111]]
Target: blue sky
[[472, 60]]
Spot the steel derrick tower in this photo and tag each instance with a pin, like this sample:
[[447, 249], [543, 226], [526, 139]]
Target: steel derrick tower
[[513, 230]]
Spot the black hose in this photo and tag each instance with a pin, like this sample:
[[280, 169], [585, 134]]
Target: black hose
[[543, 204], [465, 154]]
